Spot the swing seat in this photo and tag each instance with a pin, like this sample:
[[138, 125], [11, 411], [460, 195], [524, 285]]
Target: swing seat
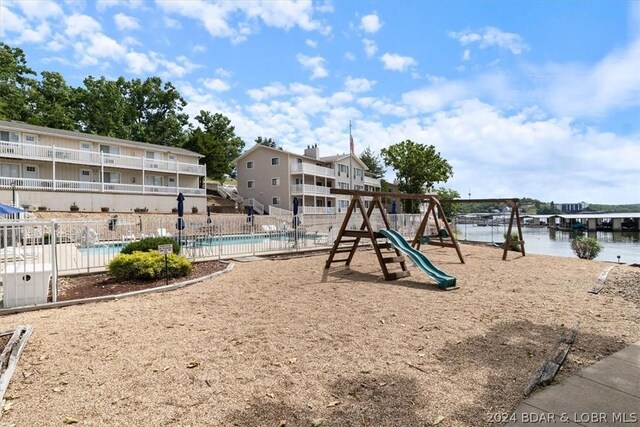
[[443, 233]]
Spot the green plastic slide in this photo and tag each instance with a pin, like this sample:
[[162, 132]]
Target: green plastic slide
[[444, 280]]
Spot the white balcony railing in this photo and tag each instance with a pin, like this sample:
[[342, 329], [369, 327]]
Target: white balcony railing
[[318, 210], [93, 187], [312, 169], [310, 190], [374, 182], [93, 158]]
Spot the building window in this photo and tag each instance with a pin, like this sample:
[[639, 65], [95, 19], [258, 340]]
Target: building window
[[344, 169], [251, 184], [275, 161], [86, 146], [111, 177], [9, 136], [344, 185], [152, 155], [9, 170], [31, 139], [250, 164], [275, 201], [275, 182], [108, 149]]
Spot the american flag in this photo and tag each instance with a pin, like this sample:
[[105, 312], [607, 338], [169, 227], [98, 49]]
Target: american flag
[[353, 148]]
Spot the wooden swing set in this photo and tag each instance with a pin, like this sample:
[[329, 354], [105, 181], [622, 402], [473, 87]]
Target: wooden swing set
[[513, 218], [445, 237]]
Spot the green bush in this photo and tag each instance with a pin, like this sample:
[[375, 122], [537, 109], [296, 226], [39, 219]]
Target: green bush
[[514, 241], [147, 266], [586, 247], [150, 244]]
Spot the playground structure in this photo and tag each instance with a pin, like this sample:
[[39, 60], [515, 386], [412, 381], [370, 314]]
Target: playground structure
[[394, 240], [514, 217]]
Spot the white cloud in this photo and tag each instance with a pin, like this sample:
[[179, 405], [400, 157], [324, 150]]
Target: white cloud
[[311, 43], [313, 63], [491, 36], [266, 92], [174, 24], [435, 97], [370, 47], [10, 22], [102, 5], [125, 22], [358, 85], [237, 20], [397, 62], [81, 25], [216, 85], [610, 84], [466, 55], [221, 72], [40, 10], [199, 48], [370, 23], [139, 63], [349, 56]]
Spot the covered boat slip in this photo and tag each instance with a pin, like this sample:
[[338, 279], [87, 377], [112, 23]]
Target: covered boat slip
[[629, 221]]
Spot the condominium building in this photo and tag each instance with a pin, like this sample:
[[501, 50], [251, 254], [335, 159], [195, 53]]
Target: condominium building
[[572, 207], [53, 169], [274, 177]]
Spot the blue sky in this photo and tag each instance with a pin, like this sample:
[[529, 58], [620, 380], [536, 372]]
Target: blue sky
[[524, 98]]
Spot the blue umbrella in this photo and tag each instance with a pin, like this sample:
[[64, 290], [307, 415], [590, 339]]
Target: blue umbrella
[[9, 210], [296, 204]]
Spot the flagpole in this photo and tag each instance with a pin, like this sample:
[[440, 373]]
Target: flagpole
[[350, 158]]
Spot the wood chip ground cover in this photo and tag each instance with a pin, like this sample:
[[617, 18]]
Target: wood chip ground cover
[[287, 343]]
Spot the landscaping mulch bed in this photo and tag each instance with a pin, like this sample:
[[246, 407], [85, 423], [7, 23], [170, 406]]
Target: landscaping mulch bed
[[101, 284]]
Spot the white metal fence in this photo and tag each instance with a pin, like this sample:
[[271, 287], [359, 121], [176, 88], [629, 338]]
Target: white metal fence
[[43, 250]]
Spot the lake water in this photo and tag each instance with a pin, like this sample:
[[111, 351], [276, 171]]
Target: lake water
[[558, 243]]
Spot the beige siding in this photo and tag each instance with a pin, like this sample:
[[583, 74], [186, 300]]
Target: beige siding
[[261, 174]]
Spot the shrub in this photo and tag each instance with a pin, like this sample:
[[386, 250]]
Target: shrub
[[147, 266], [514, 241], [150, 244], [586, 247]]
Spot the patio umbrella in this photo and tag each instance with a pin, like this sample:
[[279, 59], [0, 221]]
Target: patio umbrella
[[249, 213], [180, 223], [393, 208], [208, 214], [296, 204], [9, 210]]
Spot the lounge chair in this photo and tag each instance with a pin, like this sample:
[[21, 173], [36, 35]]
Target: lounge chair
[[162, 232]]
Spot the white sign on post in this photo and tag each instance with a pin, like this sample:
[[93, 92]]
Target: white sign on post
[[165, 249]]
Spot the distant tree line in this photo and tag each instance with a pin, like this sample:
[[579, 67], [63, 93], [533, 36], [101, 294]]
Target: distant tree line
[[148, 110]]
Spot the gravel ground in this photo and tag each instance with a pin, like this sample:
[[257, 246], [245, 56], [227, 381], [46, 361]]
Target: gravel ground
[[285, 342]]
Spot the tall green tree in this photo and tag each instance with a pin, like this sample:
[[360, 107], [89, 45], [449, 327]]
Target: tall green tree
[[446, 194], [15, 84], [103, 108], [267, 142], [418, 167], [373, 162], [156, 112], [53, 102], [216, 140]]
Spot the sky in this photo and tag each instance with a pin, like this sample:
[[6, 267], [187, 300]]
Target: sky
[[533, 99]]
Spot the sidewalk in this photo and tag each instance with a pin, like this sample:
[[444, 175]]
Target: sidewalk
[[606, 393]]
